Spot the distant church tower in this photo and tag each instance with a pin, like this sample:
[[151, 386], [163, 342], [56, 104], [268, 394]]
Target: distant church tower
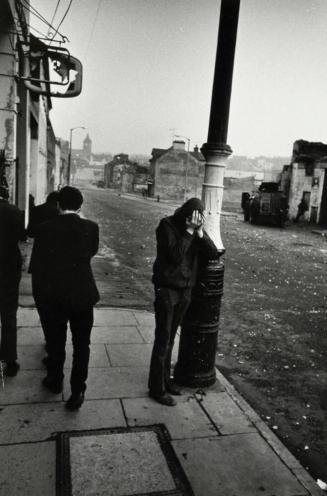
[[87, 147]]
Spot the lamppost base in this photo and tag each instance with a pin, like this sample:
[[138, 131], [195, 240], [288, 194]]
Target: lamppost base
[[195, 366]]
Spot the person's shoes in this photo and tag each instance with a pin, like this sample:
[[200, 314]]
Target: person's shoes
[[54, 387], [11, 369], [173, 389], [75, 402], [164, 399]]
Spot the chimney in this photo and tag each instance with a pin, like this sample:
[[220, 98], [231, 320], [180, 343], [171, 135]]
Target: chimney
[[179, 145], [196, 149]]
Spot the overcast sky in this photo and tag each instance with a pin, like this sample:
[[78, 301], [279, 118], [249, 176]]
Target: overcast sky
[[148, 72]]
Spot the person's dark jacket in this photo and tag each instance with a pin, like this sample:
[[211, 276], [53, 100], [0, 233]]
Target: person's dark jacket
[[41, 213], [178, 254], [11, 232], [60, 261]]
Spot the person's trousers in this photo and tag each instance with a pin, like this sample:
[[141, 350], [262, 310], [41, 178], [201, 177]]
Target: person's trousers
[[170, 306], [37, 295], [9, 284], [55, 317]]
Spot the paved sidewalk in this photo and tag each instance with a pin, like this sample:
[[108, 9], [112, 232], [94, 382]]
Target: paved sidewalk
[[123, 443]]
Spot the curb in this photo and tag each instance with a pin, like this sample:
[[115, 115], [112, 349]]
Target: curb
[[277, 446]]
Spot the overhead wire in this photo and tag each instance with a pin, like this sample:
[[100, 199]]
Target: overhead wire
[[35, 12], [93, 27], [55, 11], [27, 6], [63, 18], [31, 27], [39, 16], [39, 32]]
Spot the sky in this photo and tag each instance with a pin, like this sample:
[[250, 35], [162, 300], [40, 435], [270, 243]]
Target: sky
[[149, 64]]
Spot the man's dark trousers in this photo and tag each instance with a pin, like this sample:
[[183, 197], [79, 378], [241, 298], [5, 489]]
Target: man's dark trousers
[[56, 317], [170, 306], [9, 284]]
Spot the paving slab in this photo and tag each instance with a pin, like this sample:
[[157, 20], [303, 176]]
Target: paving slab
[[36, 422], [28, 469], [145, 319], [30, 336], [110, 316], [225, 414], [124, 463], [185, 420], [27, 317], [238, 465], [30, 357], [126, 355], [273, 441], [222, 444], [26, 387], [115, 382], [147, 332], [133, 355], [116, 334]]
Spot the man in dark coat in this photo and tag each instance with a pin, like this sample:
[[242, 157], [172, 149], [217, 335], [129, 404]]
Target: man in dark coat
[[11, 232], [65, 289], [301, 209], [181, 243], [41, 213]]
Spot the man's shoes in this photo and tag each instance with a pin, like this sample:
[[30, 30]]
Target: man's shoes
[[173, 389], [75, 402], [164, 399], [54, 386], [11, 369]]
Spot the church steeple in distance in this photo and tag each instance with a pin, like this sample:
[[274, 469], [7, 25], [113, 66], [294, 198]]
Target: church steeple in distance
[[87, 146]]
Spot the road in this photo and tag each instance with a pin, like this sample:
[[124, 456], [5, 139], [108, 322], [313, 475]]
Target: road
[[273, 328]]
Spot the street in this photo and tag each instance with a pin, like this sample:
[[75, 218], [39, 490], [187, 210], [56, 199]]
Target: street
[[272, 342]]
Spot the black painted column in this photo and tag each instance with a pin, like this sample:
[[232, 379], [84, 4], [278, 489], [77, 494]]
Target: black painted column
[[197, 350]]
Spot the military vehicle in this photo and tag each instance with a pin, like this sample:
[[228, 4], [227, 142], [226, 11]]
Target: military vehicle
[[267, 205]]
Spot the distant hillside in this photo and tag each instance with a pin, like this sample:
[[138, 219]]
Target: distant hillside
[[256, 164]]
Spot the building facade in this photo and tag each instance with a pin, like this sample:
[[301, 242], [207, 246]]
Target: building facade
[[306, 178], [26, 135], [175, 173]]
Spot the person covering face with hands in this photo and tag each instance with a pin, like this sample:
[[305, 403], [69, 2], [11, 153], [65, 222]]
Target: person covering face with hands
[[181, 243]]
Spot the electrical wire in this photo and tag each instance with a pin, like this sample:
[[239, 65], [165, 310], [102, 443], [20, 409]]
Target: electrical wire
[[39, 16], [35, 12], [54, 14], [92, 29], [27, 6], [34, 29], [39, 32], [62, 20]]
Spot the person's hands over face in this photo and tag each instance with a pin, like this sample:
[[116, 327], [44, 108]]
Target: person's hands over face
[[195, 223]]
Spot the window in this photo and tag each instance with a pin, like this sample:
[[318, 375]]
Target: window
[[309, 169]]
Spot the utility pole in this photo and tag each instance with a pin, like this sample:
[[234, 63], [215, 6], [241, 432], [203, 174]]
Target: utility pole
[[198, 342]]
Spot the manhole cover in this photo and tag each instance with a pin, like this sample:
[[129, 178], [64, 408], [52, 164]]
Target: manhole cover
[[137, 461]]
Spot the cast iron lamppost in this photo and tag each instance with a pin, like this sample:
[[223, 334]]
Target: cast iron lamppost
[[70, 152], [186, 165], [195, 366]]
